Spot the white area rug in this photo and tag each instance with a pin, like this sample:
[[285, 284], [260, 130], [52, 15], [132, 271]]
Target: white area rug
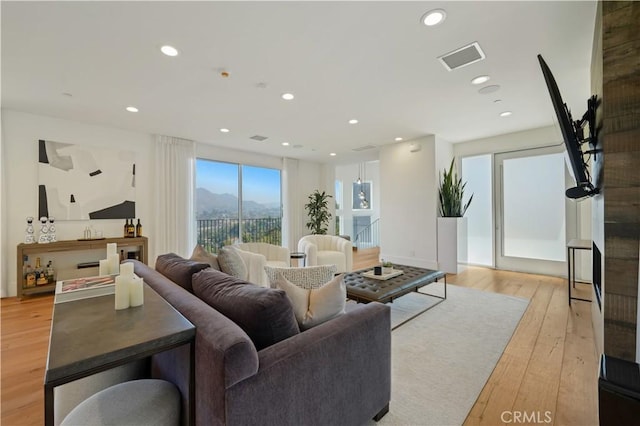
[[442, 359]]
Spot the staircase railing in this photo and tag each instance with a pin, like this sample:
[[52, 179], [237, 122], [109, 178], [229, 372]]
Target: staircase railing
[[369, 236]]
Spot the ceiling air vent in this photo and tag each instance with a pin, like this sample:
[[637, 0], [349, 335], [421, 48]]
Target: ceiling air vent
[[462, 57], [259, 138], [364, 148]]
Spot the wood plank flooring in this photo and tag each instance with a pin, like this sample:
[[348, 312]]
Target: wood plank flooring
[[547, 374]]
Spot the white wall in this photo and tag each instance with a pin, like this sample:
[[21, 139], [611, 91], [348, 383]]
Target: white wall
[[19, 173], [3, 216], [408, 195], [21, 132]]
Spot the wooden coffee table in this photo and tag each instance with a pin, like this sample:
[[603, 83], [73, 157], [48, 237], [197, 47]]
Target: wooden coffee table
[[364, 290], [89, 336]]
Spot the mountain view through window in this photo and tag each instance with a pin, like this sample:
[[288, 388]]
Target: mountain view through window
[[220, 217]]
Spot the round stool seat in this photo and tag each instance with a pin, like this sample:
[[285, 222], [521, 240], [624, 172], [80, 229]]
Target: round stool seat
[[138, 402]]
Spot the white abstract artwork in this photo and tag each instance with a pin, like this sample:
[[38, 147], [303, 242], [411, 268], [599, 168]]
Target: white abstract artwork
[[78, 182]]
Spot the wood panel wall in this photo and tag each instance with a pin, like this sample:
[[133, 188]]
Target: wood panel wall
[[620, 136]]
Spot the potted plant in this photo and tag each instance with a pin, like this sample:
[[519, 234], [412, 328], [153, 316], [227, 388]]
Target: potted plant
[[451, 192], [387, 267], [318, 212], [452, 226]]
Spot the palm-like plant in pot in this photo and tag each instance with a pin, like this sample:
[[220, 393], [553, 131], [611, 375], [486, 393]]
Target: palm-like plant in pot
[[318, 212], [451, 192]]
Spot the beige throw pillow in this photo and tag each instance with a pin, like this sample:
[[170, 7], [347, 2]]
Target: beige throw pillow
[[315, 306], [201, 255], [308, 278], [232, 264]]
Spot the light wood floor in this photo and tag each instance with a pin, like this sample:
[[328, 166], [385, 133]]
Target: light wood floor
[[547, 372]]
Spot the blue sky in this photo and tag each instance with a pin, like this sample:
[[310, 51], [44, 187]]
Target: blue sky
[[259, 184]]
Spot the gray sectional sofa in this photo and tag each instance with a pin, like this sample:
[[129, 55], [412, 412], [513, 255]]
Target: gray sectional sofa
[[337, 373]]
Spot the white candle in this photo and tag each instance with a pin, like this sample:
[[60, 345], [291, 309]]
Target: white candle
[[136, 292], [104, 267], [112, 248], [122, 292], [126, 269], [114, 263]]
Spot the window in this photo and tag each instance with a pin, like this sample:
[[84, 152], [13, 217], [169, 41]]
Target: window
[[221, 219], [361, 196]]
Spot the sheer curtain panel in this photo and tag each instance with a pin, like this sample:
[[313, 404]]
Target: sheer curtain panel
[[174, 181]]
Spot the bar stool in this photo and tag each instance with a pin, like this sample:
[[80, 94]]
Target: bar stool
[[137, 402]]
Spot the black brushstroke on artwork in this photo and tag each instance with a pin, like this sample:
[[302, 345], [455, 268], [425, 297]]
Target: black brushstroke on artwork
[[72, 199], [42, 150], [43, 206], [124, 210], [134, 169], [96, 173]]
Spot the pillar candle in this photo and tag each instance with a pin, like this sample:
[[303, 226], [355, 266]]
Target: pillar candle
[[105, 269], [112, 248], [126, 269], [114, 263], [122, 292], [136, 292]]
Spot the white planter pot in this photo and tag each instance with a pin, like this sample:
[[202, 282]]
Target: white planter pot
[[452, 244]]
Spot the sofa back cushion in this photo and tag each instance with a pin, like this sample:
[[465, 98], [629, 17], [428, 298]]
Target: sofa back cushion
[[265, 314], [178, 269]]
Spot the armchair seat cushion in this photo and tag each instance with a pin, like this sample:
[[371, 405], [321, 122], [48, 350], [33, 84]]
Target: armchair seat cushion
[[330, 257], [277, 264]]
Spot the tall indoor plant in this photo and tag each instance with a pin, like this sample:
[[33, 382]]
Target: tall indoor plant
[[318, 212], [452, 226], [451, 192]]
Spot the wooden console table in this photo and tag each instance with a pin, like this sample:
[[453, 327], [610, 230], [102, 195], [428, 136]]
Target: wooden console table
[[89, 336], [140, 243]]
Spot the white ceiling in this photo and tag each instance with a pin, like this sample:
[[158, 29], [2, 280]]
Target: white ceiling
[[373, 61]]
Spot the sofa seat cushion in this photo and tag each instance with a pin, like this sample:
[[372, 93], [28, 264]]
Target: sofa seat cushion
[[265, 314], [178, 269], [315, 306], [330, 257]]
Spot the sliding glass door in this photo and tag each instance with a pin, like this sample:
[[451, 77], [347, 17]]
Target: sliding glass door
[[533, 215]]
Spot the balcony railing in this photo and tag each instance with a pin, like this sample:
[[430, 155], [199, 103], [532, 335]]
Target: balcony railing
[[369, 236], [213, 234]]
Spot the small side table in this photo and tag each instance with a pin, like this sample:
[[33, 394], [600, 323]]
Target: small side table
[[299, 255], [572, 246]]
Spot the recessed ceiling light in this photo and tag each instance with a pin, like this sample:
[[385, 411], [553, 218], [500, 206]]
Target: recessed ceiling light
[[287, 96], [505, 113], [480, 79], [489, 89], [132, 109], [285, 143], [169, 50], [434, 17], [223, 130], [398, 139], [353, 121], [333, 154]]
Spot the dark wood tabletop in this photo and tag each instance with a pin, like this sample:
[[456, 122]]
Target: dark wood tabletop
[[89, 336]]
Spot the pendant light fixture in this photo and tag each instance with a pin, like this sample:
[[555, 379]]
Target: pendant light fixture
[[359, 181]]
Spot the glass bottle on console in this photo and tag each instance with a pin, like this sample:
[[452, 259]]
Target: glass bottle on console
[[139, 229]]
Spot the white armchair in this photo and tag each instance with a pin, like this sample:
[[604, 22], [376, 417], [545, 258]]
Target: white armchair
[[276, 256], [327, 250]]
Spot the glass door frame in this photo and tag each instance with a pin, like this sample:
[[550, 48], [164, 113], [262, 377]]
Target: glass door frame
[[520, 264]]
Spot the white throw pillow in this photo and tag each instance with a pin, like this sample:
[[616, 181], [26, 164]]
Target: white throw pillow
[[315, 306]]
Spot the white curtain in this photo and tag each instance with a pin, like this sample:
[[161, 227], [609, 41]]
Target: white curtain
[[174, 199], [292, 213]]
